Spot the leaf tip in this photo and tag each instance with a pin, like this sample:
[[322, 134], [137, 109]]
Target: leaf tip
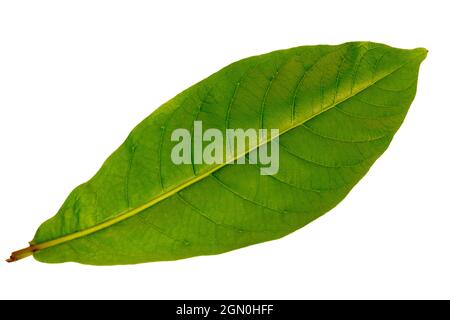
[[421, 53]]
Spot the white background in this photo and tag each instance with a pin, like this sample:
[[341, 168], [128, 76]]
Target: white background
[[77, 76]]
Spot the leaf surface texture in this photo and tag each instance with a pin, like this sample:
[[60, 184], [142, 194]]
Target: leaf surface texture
[[337, 109]]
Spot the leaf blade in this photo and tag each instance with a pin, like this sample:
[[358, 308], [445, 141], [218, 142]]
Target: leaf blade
[[336, 88]]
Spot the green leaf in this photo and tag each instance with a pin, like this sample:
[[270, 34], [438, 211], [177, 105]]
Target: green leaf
[[337, 109]]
